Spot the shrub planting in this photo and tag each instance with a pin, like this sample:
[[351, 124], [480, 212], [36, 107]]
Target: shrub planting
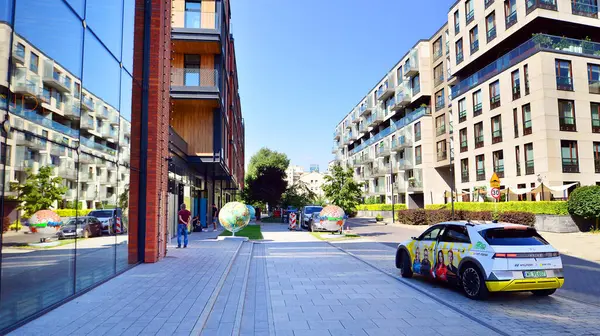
[[585, 202], [380, 207], [430, 217], [534, 207]]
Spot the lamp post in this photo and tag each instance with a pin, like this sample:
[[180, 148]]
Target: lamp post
[[392, 181], [453, 176]]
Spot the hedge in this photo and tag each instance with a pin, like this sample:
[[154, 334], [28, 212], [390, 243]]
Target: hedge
[[380, 207], [430, 217], [534, 207], [72, 212]]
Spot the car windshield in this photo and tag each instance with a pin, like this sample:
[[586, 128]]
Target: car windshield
[[78, 222], [101, 213], [513, 237], [311, 210]]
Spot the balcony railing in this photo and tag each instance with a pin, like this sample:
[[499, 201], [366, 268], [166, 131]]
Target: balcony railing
[[567, 124], [499, 170], [55, 79], [440, 130], [564, 83], [570, 165], [584, 9], [439, 79], [480, 174], [516, 92], [491, 34], [440, 103], [411, 66], [442, 155], [456, 28], [415, 184], [527, 127], [511, 19], [474, 46], [417, 136], [462, 116], [464, 177], [437, 53], [496, 136], [51, 124], [194, 77], [418, 160], [459, 57], [529, 167], [464, 146], [188, 19], [595, 125], [545, 4], [594, 86], [479, 141], [495, 101], [477, 109], [88, 104], [470, 16], [597, 164]]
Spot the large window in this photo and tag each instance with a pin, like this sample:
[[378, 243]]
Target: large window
[[193, 14], [418, 131], [594, 78], [516, 122], [585, 8], [459, 51], [477, 103], [456, 23], [438, 74], [518, 160], [442, 153], [516, 84], [510, 12], [480, 166], [470, 11], [569, 154], [496, 129], [440, 101], [529, 163], [595, 107], [478, 135], [416, 85], [464, 170], [527, 124], [564, 75], [566, 115], [440, 125], [437, 49], [192, 70], [495, 95], [418, 155], [490, 27], [526, 73], [462, 110], [34, 62], [474, 39], [498, 161]]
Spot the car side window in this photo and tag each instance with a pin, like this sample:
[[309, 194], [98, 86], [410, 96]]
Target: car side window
[[456, 234], [431, 234]]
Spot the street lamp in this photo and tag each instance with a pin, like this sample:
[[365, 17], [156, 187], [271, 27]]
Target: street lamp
[[452, 191], [392, 181]]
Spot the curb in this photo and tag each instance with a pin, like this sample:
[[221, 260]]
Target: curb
[[240, 311]]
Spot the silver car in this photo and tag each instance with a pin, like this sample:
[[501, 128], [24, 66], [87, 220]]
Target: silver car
[[308, 213]]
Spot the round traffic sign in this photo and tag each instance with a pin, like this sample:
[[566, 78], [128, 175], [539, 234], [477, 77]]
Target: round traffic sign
[[495, 192]]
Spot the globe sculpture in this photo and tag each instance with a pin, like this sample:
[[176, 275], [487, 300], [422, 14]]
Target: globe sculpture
[[234, 216], [252, 211], [332, 218], [46, 222]]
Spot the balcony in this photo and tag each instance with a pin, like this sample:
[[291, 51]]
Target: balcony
[[18, 54], [480, 175], [194, 83], [567, 124], [411, 66], [491, 35], [387, 90], [401, 142], [355, 117], [26, 86], [564, 83], [86, 158], [462, 116], [570, 165], [470, 17], [337, 135], [366, 106], [101, 111], [57, 150], [595, 125], [477, 110], [544, 4], [581, 8], [403, 97], [399, 186], [405, 164], [442, 155], [88, 104], [382, 151], [511, 19], [196, 24], [496, 136], [376, 117], [26, 164], [87, 123], [415, 185], [440, 103], [67, 172], [478, 141], [85, 177], [529, 167], [30, 141], [440, 130], [54, 79]]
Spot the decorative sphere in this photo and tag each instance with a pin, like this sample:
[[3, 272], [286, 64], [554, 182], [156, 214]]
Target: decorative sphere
[[332, 218], [234, 216], [45, 222], [252, 211]]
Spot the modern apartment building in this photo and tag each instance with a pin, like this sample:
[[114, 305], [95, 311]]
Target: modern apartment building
[[500, 79]]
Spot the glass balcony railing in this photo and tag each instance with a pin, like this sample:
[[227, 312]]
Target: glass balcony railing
[[195, 19], [440, 130], [479, 141], [564, 83], [194, 77], [499, 169], [462, 115], [470, 16], [474, 46], [545, 4], [96, 146], [480, 174], [88, 103], [491, 34], [595, 125], [459, 57], [570, 165], [511, 19], [51, 124], [529, 167]]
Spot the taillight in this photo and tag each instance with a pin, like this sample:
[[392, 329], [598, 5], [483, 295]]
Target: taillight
[[527, 255]]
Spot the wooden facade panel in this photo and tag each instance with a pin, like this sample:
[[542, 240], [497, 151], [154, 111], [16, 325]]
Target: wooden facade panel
[[205, 75], [193, 120], [208, 17], [196, 47], [178, 13]]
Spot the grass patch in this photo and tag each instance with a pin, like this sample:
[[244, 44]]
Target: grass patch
[[271, 220], [320, 236], [251, 231], [595, 231]]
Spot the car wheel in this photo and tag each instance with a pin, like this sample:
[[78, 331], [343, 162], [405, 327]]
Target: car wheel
[[473, 282], [312, 227], [86, 233], [543, 292], [403, 263]]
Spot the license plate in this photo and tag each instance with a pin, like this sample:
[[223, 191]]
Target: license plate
[[534, 274]]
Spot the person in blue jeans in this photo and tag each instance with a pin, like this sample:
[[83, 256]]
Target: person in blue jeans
[[182, 228]]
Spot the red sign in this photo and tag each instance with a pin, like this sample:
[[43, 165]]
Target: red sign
[[495, 192]]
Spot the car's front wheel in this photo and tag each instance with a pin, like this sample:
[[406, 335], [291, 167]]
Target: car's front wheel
[[473, 282], [543, 292], [403, 264], [86, 233]]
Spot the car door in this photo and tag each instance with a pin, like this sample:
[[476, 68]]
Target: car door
[[425, 250], [451, 247]]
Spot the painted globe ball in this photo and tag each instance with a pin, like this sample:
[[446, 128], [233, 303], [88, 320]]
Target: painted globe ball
[[332, 218], [45, 222], [252, 211], [234, 216]]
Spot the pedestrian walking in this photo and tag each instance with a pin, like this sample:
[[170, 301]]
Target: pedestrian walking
[[215, 216], [182, 228]]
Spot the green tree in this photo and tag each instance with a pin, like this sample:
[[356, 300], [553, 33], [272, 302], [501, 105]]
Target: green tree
[[585, 202], [123, 201], [267, 187], [39, 191], [298, 195], [266, 158], [341, 189]]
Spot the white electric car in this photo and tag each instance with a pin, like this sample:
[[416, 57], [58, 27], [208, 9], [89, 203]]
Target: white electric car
[[483, 258]]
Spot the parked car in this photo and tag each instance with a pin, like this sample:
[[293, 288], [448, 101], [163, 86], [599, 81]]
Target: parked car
[[307, 214], [111, 219], [483, 258], [85, 227]]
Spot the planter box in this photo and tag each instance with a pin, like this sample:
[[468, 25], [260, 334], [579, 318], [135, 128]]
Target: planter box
[[561, 224]]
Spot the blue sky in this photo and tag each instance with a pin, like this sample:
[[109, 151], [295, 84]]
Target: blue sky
[[303, 65]]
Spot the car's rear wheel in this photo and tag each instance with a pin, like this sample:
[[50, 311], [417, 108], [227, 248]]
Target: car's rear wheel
[[473, 282], [312, 226], [403, 263], [86, 233], [543, 292]]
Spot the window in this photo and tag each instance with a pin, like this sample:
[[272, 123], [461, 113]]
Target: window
[[518, 160], [495, 95], [526, 72], [438, 74], [526, 109], [490, 26], [431, 234], [462, 110], [418, 131], [442, 153], [77, 93], [192, 70], [498, 161], [399, 74], [479, 134], [437, 49], [459, 51], [439, 100], [20, 50], [474, 39], [418, 157], [193, 14], [595, 117], [440, 125], [529, 166], [496, 129], [564, 75], [585, 8], [488, 3], [594, 78], [34, 62], [566, 115], [570, 163], [464, 170], [516, 122], [516, 84], [477, 107], [597, 157], [470, 12], [480, 165], [464, 143], [456, 234], [510, 12], [416, 85], [456, 23]]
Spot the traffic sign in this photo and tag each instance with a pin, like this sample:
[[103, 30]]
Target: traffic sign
[[495, 181], [495, 192]]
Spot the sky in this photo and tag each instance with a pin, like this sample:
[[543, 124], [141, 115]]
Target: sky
[[304, 65]]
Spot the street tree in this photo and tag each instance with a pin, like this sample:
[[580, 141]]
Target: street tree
[[39, 191], [341, 189], [298, 195], [266, 188], [267, 158]]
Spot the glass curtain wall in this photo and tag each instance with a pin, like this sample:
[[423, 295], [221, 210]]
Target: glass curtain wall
[[65, 102]]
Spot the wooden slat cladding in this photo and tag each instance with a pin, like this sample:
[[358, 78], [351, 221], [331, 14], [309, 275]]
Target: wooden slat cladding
[[193, 120]]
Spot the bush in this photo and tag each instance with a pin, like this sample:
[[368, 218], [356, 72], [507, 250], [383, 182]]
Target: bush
[[16, 225], [379, 218], [380, 207], [72, 212], [430, 217], [585, 202], [534, 207], [525, 218]]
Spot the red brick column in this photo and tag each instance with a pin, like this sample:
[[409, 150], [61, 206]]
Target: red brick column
[[157, 141]]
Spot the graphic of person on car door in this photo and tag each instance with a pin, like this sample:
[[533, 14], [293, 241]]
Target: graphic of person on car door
[[425, 263], [417, 262]]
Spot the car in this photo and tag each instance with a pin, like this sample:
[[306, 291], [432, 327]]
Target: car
[[307, 215], [85, 227], [483, 258], [111, 219]]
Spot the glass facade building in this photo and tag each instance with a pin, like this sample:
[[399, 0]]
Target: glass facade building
[[66, 88]]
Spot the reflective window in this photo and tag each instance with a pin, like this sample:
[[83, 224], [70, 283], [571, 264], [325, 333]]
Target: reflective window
[[105, 19], [101, 71]]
